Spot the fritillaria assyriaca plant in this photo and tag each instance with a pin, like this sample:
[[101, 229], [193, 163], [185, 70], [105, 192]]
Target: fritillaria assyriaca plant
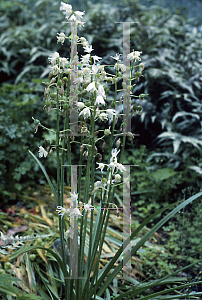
[[87, 119]]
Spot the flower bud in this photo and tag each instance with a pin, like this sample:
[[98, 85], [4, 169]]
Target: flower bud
[[118, 142], [72, 136], [86, 154], [53, 80], [117, 178], [48, 103], [103, 146], [95, 150], [59, 83], [65, 79], [51, 152], [130, 135], [62, 92], [47, 91], [81, 149]]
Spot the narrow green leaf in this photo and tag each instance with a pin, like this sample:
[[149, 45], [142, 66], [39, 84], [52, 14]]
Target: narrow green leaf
[[139, 244], [46, 175]]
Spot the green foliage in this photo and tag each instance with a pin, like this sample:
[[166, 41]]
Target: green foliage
[[28, 32], [18, 103]]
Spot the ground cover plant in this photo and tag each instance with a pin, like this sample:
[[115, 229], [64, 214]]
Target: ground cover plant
[[92, 201]]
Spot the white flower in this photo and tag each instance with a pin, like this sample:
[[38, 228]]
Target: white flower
[[79, 14], [61, 211], [61, 38], [85, 59], [63, 61], [97, 184], [117, 178], [42, 152], [101, 91], [114, 153], [55, 70], [107, 131], [85, 112], [94, 69], [120, 167], [88, 48], [91, 87], [99, 100], [80, 105], [134, 55], [83, 40], [53, 57], [116, 165], [67, 8], [74, 196], [116, 57], [96, 58], [88, 207], [103, 116], [76, 212], [121, 66], [101, 166], [111, 113]]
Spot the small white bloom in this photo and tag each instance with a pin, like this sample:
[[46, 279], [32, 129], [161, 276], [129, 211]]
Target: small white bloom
[[99, 100], [63, 61], [101, 166], [84, 129], [111, 112], [88, 207], [97, 184], [103, 116], [120, 167], [83, 40], [79, 14], [117, 178], [67, 8], [80, 105], [74, 196], [114, 153], [61, 38], [76, 212], [42, 152], [85, 112], [94, 69], [134, 55], [101, 91], [96, 58], [122, 67], [107, 131], [53, 57], [55, 70], [116, 57], [61, 211], [91, 87], [88, 48]]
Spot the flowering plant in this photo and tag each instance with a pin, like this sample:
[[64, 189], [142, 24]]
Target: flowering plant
[[86, 116]]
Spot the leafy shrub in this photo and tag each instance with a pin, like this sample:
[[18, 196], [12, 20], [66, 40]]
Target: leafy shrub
[[18, 104]]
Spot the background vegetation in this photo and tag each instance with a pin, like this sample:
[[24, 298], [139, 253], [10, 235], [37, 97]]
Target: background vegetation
[[168, 148]]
